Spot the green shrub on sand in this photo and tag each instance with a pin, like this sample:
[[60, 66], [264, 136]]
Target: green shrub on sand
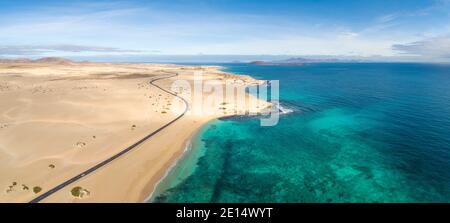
[[37, 189], [79, 192]]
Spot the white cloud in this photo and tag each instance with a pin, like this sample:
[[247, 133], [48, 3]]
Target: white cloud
[[437, 47], [387, 18], [15, 50]]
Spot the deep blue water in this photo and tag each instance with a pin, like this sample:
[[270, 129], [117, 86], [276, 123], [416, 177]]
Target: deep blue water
[[359, 133]]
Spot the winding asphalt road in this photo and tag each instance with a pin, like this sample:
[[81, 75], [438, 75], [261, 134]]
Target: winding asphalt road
[[121, 153]]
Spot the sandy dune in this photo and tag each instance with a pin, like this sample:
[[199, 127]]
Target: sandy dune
[[57, 120]]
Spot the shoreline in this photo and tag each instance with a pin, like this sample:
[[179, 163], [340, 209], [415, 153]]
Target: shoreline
[[187, 149], [110, 106], [188, 144]]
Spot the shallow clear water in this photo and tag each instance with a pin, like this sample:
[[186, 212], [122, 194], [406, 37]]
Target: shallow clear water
[[358, 133]]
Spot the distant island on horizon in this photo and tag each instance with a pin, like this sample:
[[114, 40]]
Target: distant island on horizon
[[299, 61]]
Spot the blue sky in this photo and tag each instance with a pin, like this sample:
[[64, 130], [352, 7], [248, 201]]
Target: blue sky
[[389, 29]]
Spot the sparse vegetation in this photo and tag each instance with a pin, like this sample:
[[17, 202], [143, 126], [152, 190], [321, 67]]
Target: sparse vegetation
[[80, 144], [79, 192], [76, 191], [51, 166], [25, 187], [37, 189], [11, 187]]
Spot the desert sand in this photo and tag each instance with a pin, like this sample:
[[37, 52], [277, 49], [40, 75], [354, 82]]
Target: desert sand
[[58, 119]]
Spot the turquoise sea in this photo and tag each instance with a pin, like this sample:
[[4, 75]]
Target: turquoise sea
[[376, 132]]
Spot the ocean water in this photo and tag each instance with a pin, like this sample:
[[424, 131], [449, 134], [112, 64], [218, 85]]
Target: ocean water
[[358, 133]]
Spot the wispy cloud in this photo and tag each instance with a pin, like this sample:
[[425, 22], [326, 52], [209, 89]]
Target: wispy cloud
[[437, 47], [387, 18], [16, 50]]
